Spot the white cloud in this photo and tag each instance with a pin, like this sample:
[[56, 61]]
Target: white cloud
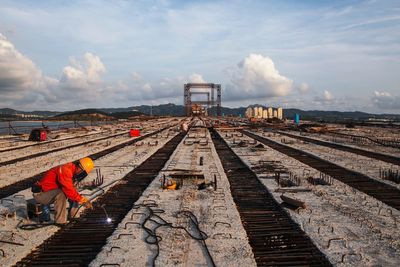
[[256, 77], [373, 21], [378, 94], [303, 88], [136, 76], [167, 89], [81, 84], [196, 78], [22, 84], [82, 80], [20, 80], [386, 101], [83, 76], [147, 88], [326, 98]]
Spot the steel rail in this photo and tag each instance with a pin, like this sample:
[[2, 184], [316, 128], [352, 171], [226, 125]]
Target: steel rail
[[358, 151], [8, 162], [276, 240], [381, 191], [13, 188], [78, 243], [49, 142]]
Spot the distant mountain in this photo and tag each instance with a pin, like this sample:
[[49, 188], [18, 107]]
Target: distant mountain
[[160, 110], [83, 114], [97, 114], [229, 111], [8, 111], [126, 115], [178, 110], [331, 116]]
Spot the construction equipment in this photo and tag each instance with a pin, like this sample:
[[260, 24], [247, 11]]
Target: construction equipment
[[39, 135], [39, 211], [169, 183], [134, 133]]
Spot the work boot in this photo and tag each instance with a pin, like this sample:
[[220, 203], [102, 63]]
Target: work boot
[[45, 215]]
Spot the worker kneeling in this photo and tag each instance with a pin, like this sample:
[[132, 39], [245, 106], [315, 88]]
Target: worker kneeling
[[57, 185]]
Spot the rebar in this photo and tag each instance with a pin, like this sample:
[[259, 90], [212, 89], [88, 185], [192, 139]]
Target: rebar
[[274, 237], [80, 241], [357, 181]]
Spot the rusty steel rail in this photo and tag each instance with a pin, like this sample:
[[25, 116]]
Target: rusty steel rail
[[381, 191], [358, 151], [381, 142], [276, 240], [47, 142], [80, 241], [4, 163], [13, 188]]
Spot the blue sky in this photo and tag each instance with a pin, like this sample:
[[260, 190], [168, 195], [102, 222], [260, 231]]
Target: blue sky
[[331, 55]]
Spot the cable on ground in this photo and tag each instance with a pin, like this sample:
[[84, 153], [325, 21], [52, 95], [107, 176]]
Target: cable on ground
[[153, 239]]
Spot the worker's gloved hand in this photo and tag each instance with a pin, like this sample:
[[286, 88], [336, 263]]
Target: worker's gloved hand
[[86, 202]]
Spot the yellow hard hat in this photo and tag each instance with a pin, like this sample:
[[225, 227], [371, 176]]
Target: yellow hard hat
[[87, 164]]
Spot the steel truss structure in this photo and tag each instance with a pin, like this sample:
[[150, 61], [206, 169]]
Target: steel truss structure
[[210, 92]]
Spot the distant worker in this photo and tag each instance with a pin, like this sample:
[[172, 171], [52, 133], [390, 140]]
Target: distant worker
[[58, 185]]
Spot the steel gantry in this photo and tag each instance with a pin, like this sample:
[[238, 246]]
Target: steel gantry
[[207, 89]]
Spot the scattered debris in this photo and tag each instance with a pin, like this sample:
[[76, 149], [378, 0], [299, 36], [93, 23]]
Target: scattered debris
[[293, 202]]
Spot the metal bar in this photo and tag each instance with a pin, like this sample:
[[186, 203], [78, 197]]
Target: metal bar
[[81, 249], [274, 237]]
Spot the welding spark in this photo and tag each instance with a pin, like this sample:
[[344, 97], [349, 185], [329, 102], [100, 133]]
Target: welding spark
[[109, 220]]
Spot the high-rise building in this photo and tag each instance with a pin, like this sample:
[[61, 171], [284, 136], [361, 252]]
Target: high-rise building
[[270, 114], [265, 114], [260, 112], [280, 113], [275, 113], [255, 114], [249, 113]]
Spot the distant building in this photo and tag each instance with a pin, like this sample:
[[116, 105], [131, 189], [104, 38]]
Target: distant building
[[27, 115], [249, 113], [270, 113], [280, 113], [260, 112], [255, 112]]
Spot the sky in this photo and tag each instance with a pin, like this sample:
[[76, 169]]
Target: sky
[[325, 55]]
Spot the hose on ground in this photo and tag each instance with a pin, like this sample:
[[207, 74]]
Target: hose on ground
[[152, 238]]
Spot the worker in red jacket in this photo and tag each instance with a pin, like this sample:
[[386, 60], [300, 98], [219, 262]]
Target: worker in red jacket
[[57, 185]]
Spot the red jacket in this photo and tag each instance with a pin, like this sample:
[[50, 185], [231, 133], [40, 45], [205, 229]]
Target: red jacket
[[61, 177]]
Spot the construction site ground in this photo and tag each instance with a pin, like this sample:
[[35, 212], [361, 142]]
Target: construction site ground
[[200, 223]]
